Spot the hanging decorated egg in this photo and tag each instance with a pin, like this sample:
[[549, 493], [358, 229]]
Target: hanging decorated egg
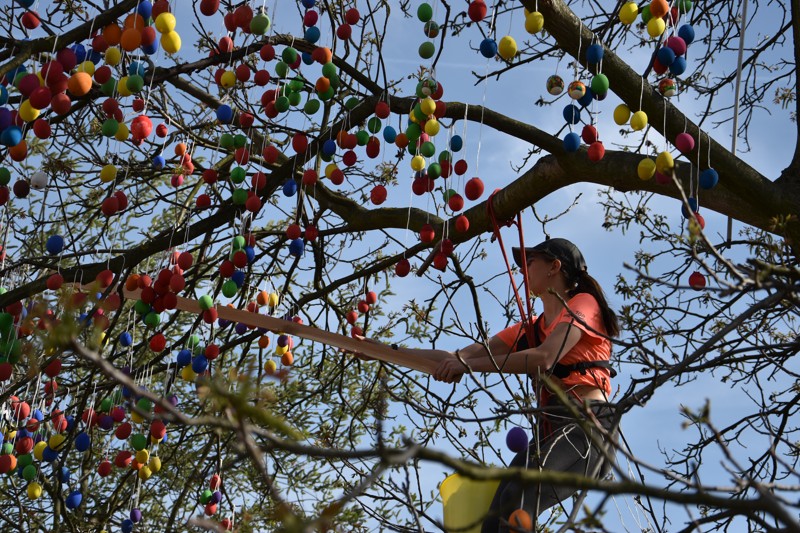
[[507, 48], [697, 281], [628, 13], [684, 143], [534, 22], [488, 48], [646, 169], [668, 87], [708, 178], [594, 54], [572, 142], [576, 90], [639, 121], [555, 85]]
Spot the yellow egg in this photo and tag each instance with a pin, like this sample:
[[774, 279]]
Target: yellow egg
[[280, 350], [639, 121], [417, 163], [428, 105], [165, 22], [145, 473], [655, 27], [507, 48], [122, 87], [665, 163], [38, 450], [270, 367], [34, 490], [432, 127], [56, 441], [228, 79], [274, 299], [188, 374], [108, 173], [27, 112], [329, 169], [646, 169], [113, 56], [154, 464], [87, 67], [142, 456], [122, 132], [628, 13], [534, 22], [137, 418], [170, 42], [622, 114]]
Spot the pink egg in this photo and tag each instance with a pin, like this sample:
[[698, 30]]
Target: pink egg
[[677, 45], [684, 142]]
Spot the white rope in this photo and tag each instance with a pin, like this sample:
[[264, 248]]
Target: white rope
[[736, 96]]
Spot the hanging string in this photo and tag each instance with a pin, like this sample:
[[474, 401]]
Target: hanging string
[[737, 92]]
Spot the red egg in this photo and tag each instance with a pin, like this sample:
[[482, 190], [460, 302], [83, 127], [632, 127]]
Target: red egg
[[697, 281]]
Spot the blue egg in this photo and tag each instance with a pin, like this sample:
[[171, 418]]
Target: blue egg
[[49, 454], [389, 134], [312, 34], [199, 364], [586, 99], [488, 48], [686, 32], [251, 253], [329, 147], [126, 526], [82, 442], [26, 3], [297, 247], [456, 143], [11, 136], [126, 392], [223, 323], [678, 66], [80, 52], [70, 422], [125, 339], [692, 203], [94, 56], [240, 328], [290, 188], [38, 415], [594, 54], [184, 358], [64, 473], [137, 68], [572, 141], [3, 95], [308, 4], [22, 433], [159, 162], [145, 9], [74, 499], [709, 178], [307, 59], [665, 55], [54, 245], [238, 278], [572, 114], [225, 114], [150, 49]]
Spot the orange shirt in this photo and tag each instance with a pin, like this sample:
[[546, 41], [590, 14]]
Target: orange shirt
[[591, 346]]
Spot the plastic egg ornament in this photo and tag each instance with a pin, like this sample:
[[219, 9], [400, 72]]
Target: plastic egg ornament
[[638, 121], [678, 66], [555, 85], [572, 142], [517, 440], [594, 54], [686, 32], [38, 180], [488, 48], [665, 55], [54, 245], [656, 27], [665, 162], [697, 281], [646, 169], [576, 90], [507, 48], [684, 142], [622, 114], [628, 13], [477, 10], [571, 114], [708, 178], [600, 84], [534, 22], [668, 87]]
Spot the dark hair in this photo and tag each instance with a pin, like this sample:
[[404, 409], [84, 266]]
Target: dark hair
[[586, 283]]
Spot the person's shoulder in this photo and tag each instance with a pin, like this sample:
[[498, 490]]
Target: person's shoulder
[[583, 305]]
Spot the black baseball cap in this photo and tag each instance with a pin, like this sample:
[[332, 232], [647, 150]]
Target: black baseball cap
[[572, 261]]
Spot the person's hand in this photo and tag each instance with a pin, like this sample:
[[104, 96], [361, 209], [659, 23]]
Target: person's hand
[[450, 370]]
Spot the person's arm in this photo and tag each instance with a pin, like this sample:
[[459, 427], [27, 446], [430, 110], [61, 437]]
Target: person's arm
[[554, 347]]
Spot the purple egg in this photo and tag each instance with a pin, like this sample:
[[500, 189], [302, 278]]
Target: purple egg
[[517, 439], [136, 515], [216, 497], [105, 422]]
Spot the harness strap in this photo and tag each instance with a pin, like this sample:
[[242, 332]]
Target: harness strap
[[561, 370]]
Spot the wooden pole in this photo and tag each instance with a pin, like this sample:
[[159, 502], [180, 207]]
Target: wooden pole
[[376, 351]]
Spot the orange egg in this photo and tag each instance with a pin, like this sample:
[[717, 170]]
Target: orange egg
[[79, 83], [323, 84], [19, 152], [112, 34], [180, 149], [287, 359], [659, 8], [134, 20], [521, 520], [131, 39]]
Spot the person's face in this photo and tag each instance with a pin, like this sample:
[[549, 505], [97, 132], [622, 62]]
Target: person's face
[[541, 269]]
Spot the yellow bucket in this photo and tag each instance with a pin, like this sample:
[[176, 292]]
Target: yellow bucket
[[466, 502]]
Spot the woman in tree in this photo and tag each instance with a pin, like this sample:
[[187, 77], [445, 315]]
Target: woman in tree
[[569, 343]]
